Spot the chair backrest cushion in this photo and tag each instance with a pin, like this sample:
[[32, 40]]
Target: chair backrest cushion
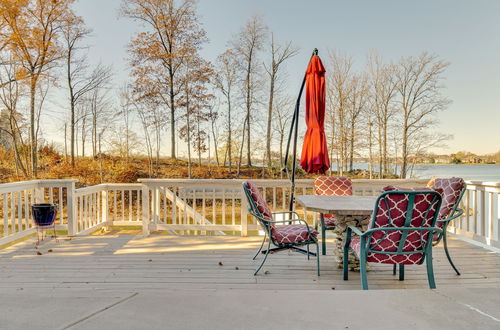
[[257, 202], [391, 211], [451, 191], [333, 186]]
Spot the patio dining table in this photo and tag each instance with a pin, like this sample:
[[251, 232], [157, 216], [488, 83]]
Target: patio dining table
[[348, 211]]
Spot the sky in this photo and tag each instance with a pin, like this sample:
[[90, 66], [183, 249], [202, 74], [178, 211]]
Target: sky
[[464, 33]]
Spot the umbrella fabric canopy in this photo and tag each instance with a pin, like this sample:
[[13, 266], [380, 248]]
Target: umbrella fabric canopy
[[314, 150]]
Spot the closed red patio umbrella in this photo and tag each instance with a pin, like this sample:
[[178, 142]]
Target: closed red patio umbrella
[[314, 150]]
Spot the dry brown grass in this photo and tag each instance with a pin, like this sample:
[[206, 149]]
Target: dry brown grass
[[90, 171]]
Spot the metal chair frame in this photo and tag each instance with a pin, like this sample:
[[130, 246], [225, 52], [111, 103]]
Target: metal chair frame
[[267, 227], [366, 237], [454, 214]]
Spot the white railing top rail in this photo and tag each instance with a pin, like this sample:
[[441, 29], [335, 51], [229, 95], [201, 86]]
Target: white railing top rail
[[277, 182]]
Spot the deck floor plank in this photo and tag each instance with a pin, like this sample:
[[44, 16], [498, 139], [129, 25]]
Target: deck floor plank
[[182, 262]]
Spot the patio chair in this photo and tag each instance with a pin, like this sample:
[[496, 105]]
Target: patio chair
[[330, 186], [401, 233], [452, 191], [282, 234]]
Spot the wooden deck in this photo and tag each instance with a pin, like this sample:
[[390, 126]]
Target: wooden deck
[[173, 262]]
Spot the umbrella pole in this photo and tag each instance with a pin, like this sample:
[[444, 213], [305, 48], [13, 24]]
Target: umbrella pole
[[294, 128]]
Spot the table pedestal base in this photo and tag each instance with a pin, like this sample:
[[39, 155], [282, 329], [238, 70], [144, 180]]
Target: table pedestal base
[[342, 222]]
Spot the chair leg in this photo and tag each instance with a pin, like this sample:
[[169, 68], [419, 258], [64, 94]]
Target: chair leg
[[394, 269], [364, 280], [345, 264], [317, 256], [323, 234], [445, 243], [323, 242], [430, 270], [401, 272], [260, 249], [308, 257], [265, 257]]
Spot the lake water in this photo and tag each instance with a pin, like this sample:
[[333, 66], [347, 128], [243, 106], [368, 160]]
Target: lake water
[[468, 172]]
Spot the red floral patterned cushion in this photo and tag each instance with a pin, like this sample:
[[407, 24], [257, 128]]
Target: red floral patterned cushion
[[332, 186], [450, 190], [290, 234], [259, 201], [392, 213]]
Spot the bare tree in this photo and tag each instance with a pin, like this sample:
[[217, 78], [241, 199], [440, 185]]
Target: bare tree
[[79, 80], [339, 90], [173, 34], [419, 88], [249, 41], [196, 99], [225, 80], [358, 102], [11, 120], [383, 90], [281, 120], [31, 29], [279, 54]]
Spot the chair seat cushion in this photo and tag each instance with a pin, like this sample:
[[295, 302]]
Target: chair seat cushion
[[290, 234], [404, 259], [330, 220]]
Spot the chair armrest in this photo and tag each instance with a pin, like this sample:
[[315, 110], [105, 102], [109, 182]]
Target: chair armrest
[[288, 221], [356, 230], [458, 213], [287, 212]]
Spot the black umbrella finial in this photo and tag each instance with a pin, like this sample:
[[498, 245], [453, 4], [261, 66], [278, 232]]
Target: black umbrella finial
[[315, 52]]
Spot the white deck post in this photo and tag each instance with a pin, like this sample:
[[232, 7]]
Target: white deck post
[[244, 213], [145, 209], [71, 209], [105, 207]]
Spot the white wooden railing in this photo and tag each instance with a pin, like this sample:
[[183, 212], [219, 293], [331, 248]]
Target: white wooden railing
[[481, 220], [15, 201], [107, 204], [202, 207]]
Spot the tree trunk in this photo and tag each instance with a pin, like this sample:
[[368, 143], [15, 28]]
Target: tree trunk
[[384, 148], [72, 109], [33, 140], [404, 153], [94, 132], [83, 137], [172, 113], [370, 150], [380, 152], [229, 131], [269, 119], [198, 142], [248, 105], [241, 148], [351, 152], [188, 143]]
